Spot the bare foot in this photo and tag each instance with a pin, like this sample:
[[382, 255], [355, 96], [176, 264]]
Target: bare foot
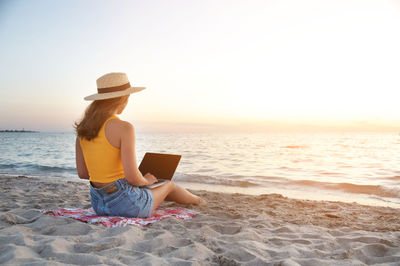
[[202, 202]]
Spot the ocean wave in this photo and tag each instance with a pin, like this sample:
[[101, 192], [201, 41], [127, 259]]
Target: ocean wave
[[393, 178], [37, 167], [294, 146], [259, 181], [6, 166], [214, 180], [376, 190]]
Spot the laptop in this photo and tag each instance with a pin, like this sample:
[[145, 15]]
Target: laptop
[[161, 165]]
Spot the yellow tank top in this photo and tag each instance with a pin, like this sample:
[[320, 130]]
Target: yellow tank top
[[103, 160]]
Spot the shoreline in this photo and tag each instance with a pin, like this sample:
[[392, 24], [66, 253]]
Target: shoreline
[[291, 192], [296, 193], [232, 229]]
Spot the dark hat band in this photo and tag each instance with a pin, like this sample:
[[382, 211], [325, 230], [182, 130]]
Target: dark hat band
[[114, 89]]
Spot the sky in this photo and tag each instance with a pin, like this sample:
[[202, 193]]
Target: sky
[[226, 65]]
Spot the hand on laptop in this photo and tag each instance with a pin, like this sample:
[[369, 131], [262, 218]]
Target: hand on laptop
[[151, 179]]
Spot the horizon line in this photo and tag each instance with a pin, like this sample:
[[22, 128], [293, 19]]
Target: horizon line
[[246, 127]]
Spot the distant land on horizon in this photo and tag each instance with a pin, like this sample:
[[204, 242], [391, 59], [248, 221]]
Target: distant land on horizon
[[18, 131], [234, 126]]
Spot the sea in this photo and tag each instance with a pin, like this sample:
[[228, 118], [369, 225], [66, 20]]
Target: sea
[[346, 167]]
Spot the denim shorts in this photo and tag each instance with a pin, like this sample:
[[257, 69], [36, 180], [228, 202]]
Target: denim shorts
[[127, 201]]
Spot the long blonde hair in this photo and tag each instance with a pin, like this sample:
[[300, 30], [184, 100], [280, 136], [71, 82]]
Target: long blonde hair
[[95, 115]]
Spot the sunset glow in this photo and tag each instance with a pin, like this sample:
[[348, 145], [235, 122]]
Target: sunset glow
[[262, 64]]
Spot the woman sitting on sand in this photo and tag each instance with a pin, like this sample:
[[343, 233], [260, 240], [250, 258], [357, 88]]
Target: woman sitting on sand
[[105, 154]]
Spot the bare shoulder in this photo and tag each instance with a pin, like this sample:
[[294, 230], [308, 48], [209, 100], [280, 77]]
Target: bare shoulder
[[126, 125], [122, 126], [119, 131]]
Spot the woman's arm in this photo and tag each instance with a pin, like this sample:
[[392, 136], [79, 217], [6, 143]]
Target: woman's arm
[[128, 157], [80, 161]]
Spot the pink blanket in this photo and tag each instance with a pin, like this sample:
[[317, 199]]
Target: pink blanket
[[89, 216]]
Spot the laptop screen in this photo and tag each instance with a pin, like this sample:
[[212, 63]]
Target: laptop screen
[[160, 165]]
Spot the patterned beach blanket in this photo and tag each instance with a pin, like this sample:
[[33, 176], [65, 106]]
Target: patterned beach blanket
[[89, 216]]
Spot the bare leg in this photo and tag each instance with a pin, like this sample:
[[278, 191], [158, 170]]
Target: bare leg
[[160, 193], [182, 196], [172, 192]]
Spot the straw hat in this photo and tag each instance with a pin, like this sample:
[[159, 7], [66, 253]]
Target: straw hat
[[112, 85]]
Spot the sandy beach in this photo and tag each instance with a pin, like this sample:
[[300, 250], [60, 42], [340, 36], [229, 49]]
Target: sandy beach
[[233, 229]]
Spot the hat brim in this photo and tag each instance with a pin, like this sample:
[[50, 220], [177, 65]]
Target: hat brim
[[109, 95]]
